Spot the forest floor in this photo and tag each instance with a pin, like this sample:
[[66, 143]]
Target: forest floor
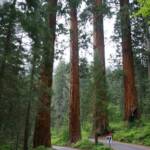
[[139, 134]]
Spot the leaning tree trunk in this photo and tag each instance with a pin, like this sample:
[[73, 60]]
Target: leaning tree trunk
[[74, 112], [42, 135], [100, 98], [131, 111]]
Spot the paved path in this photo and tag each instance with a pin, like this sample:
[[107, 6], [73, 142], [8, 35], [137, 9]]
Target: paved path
[[115, 145], [63, 148], [124, 146]]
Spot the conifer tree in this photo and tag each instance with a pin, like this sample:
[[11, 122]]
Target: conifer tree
[[74, 102], [131, 110], [100, 96], [42, 135]]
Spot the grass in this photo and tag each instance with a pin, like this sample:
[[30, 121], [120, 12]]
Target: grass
[[85, 144], [139, 134], [60, 137], [5, 147]]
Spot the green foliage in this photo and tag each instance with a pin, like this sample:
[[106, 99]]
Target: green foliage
[[5, 147], [74, 3], [145, 8], [60, 95], [139, 134], [85, 87], [115, 93], [86, 130], [85, 144], [103, 9], [60, 137]]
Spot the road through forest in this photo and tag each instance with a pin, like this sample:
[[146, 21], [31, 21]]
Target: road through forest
[[115, 145], [124, 146], [63, 148]]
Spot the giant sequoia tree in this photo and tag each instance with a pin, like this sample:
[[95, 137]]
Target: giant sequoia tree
[[131, 111], [100, 98], [74, 108], [42, 125]]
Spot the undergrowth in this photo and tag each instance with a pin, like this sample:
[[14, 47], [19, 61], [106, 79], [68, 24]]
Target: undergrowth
[[85, 144], [60, 137], [139, 134]]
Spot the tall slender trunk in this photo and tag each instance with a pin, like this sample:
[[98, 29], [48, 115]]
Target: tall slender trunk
[[27, 126], [131, 110], [74, 103], [149, 66], [7, 46], [27, 120], [42, 135], [148, 48], [17, 141], [100, 96]]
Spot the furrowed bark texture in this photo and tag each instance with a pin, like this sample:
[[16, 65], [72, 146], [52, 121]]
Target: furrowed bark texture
[[42, 135], [100, 97], [131, 111], [74, 108]]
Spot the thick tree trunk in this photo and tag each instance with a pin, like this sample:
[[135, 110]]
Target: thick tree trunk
[[42, 125], [100, 104], [74, 112], [131, 111], [42, 135]]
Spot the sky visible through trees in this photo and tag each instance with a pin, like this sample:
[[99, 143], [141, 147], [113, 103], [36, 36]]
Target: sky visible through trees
[[109, 44], [110, 50]]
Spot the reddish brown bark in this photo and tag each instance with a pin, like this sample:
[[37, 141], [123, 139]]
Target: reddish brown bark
[[42, 135], [42, 126], [131, 111], [74, 103], [100, 108]]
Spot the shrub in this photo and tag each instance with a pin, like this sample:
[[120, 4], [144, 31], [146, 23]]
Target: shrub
[[60, 138], [85, 144]]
